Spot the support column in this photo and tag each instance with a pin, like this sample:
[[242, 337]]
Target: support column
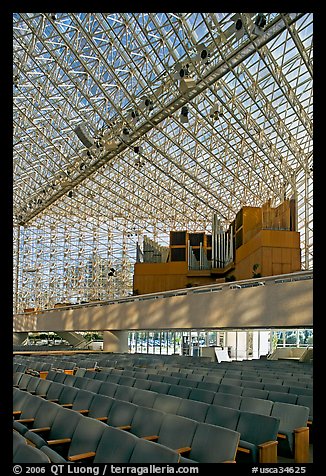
[[115, 341]]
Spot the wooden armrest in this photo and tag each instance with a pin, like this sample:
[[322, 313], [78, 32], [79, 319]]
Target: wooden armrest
[[229, 461], [61, 441], [40, 430], [83, 412], [26, 420], [90, 454], [280, 435], [309, 422], [17, 412], [243, 450], [301, 445], [124, 427], [102, 418], [185, 449], [66, 405], [268, 452], [54, 400], [150, 438]]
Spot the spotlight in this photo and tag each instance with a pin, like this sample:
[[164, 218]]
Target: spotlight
[[186, 84], [260, 23], [181, 71], [82, 166], [111, 272], [146, 104], [70, 194], [125, 134], [203, 54], [133, 116], [215, 112], [138, 149], [83, 135], [53, 16], [184, 115], [238, 27]]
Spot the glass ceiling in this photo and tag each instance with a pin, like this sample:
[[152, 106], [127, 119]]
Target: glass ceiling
[[183, 115]]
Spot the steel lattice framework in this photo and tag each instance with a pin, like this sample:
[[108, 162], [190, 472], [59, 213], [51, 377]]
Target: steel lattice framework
[[79, 211]]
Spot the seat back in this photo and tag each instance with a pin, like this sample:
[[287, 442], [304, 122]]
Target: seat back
[[222, 416], [176, 431], [193, 409], [179, 391], [124, 393], [256, 428], [121, 413], [148, 452], [83, 400], [115, 446], [214, 444], [108, 389], [167, 403], [202, 395], [68, 395], [143, 397], [30, 455], [146, 422], [227, 400], [256, 405], [92, 385], [86, 436], [290, 416], [100, 406]]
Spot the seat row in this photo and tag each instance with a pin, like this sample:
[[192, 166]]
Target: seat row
[[254, 400], [76, 437], [291, 417]]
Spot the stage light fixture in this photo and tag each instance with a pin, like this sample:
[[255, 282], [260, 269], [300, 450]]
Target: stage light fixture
[[146, 104], [133, 116], [260, 23], [203, 54], [181, 71], [184, 115]]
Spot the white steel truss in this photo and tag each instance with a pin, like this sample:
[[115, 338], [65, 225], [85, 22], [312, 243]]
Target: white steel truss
[[79, 210]]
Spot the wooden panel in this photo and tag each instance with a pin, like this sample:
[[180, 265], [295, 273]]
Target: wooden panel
[[276, 268]]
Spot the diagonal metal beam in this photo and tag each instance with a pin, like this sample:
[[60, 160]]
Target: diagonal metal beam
[[245, 50]]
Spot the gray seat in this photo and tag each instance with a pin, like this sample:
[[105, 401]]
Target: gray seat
[[60, 377], [258, 438], [188, 382], [54, 391], [142, 383], [29, 412], [213, 387], [232, 389], [67, 396], [53, 455], [100, 407], [301, 391], [145, 452], [293, 434], [176, 432], [282, 397], [121, 414], [59, 434], [160, 387], [222, 416], [306, 401], [101, 376], [255, 393], [171, 380], [227, 400], [80, 382], [17, 440], [82, 401], [126, 380], [202, 395], [92, 385], [179, 391], [193, 409], [85, 439], [115, 446], [125, 393], [276, 387], [256, 405], [28, 454], [22, 384], [146, 422], [213, 444], [108, 389], [145, 398], [167, 403]]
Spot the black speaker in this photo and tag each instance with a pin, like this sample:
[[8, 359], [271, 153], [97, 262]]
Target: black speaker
[[84, 136]]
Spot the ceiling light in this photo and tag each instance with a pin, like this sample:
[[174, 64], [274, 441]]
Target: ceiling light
[[184, 115], [133, 116], [260, 23], [181, 71], [146, 104], [203, 54]]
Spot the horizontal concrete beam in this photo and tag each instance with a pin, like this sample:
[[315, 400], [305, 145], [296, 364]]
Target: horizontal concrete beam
[[288, 304]]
